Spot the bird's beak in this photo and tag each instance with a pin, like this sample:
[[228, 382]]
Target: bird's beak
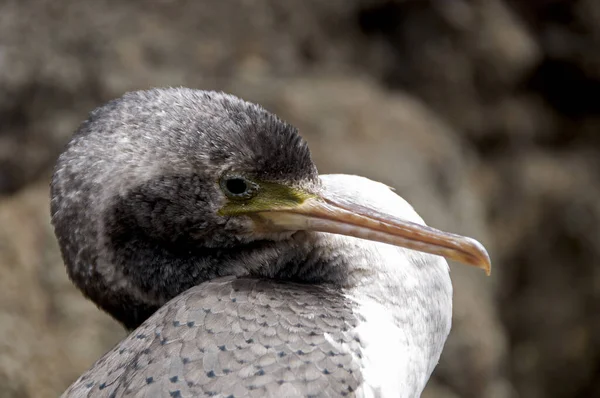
[[343, 217]]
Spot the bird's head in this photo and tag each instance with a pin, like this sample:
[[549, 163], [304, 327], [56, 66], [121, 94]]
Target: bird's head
[[162, 189]]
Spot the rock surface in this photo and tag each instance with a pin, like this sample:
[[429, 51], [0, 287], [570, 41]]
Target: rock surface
[[484, 114]]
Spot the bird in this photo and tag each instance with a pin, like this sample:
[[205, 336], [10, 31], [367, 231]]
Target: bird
[[199, 222]]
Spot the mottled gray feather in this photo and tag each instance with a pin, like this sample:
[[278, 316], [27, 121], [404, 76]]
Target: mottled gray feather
[[236, 337]]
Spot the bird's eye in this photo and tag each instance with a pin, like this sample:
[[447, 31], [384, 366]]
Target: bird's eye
[[238, 187]]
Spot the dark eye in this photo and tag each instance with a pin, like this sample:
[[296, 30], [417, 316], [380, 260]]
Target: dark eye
[[238, 187]]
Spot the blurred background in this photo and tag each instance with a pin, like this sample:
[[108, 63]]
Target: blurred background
[[484, 114]]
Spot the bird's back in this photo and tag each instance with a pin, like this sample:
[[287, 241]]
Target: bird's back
[[236, 337]]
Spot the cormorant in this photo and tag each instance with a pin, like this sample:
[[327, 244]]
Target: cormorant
[[200, 221]]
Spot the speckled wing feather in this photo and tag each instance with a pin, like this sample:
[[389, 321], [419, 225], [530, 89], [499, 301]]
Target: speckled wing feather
[[236, 338]]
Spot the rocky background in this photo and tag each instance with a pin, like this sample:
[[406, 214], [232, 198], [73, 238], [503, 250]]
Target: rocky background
[[485, 114]]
